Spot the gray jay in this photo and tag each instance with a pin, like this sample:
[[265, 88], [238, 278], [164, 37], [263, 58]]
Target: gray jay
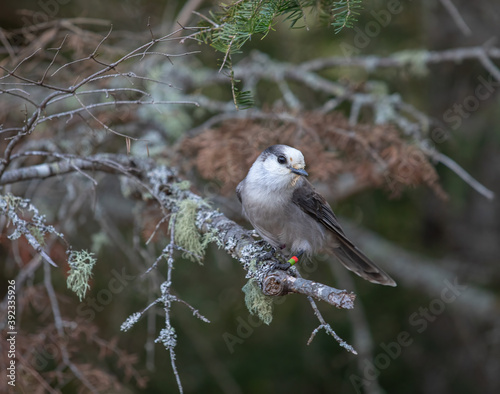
[[287, 212]]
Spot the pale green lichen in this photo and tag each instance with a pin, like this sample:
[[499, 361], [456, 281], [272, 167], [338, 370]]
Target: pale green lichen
[[183, 185], [186, 234], [99, 241], [38, 234], [81, 264], [212, 236], [257, 303], [252, 266], [416, 60], [10, 201]]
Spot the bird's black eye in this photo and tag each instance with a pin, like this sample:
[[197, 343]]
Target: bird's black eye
[[281, 159]]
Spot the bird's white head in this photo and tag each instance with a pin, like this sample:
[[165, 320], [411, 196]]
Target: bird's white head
[[279, 166]]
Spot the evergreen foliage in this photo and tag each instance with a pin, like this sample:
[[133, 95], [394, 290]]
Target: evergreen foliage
[[228, 30]]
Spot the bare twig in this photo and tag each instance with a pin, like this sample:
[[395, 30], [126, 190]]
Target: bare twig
[[195, 311], [346, 301], [60, 331], [485, 60], [187, 10], [163, 220], [38, 248], [69, 163], [5, 42], [325, 326], [466, 177], [58, 50], [38, 116], [86, 108], [459, 21]]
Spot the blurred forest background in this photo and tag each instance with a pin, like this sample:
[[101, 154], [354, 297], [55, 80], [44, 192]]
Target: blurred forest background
[[389, 114]]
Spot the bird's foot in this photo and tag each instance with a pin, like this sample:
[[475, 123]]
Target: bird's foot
[[272, 255], [285, 266], [267, 256], [281, 266]]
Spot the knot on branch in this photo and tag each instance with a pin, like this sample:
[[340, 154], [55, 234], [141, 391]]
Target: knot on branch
[[275, 284]]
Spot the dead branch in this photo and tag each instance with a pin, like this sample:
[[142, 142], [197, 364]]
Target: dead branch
[[397, 60], [15, 77], [457, 18], [69, 163]]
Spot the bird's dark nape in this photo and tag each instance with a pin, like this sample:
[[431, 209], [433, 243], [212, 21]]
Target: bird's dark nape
[[275, 150]]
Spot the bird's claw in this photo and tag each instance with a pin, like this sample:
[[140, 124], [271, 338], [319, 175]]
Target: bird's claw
[[271, 255], [267, 256]]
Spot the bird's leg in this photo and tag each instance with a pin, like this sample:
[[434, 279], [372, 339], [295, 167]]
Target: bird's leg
[[289, 263], [295, 259], [281, 266]]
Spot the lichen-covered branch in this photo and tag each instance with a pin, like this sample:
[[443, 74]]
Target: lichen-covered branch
[[33, 230], [279, 283], [417, 59], [234, 239], [204, 224], [69, 163]]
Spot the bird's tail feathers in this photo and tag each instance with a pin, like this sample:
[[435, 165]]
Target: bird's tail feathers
[[354, 260]]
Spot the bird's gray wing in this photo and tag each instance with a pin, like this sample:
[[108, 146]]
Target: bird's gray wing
[[349, 255], [238, 190]]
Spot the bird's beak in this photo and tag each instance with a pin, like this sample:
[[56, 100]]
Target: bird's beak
[[299, 171]]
